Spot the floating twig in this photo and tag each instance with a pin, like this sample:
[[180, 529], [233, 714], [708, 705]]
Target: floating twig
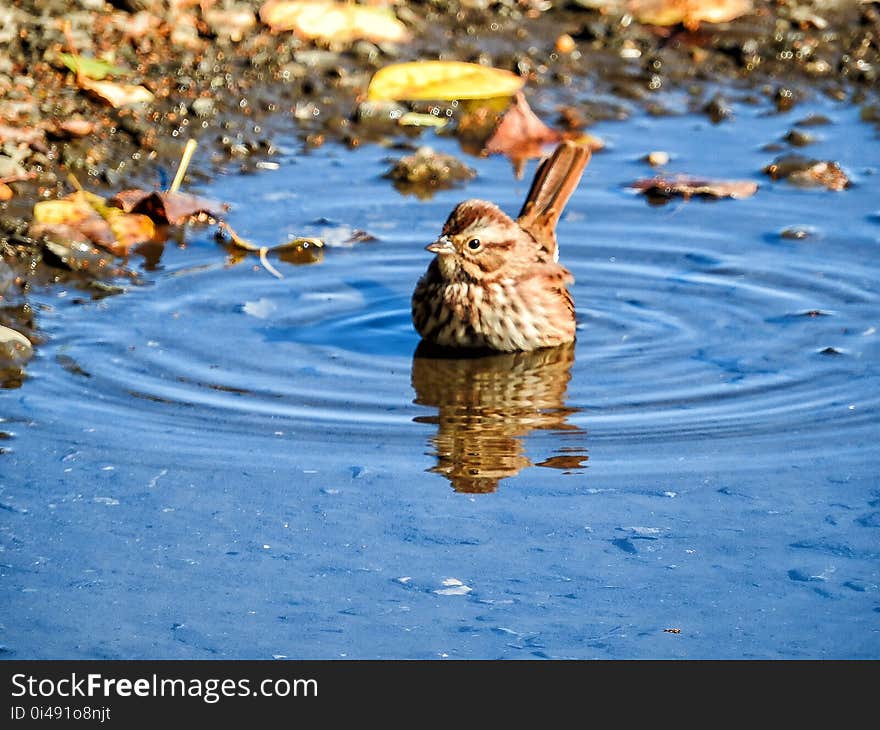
[[185, 158]]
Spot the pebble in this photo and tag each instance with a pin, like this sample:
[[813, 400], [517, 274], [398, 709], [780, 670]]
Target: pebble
[[797, 233], [657, 158]]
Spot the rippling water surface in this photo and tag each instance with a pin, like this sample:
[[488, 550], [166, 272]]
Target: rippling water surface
[[220, 463]]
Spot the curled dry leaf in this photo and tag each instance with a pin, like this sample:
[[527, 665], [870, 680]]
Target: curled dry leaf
[[689, 13], [164, 207], [90, 216], [333, 21], [687, 187], [441, 81], [117, 95], [808, 172]]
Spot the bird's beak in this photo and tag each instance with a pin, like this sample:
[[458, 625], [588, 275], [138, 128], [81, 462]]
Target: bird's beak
[[441, 245]]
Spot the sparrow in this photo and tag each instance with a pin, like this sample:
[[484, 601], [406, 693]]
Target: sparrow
[[496, 283]]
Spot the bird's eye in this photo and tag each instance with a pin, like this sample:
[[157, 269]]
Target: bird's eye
[[474, 244]]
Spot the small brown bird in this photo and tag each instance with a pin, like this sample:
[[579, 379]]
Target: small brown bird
[[496, 283]]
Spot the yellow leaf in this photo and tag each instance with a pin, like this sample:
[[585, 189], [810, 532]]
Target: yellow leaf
[[441, 81], [70, 212], [117, 95], [333, 21]]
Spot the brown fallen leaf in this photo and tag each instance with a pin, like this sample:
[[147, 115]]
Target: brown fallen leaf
[[808, 172], [103, 225], [165, 207], [333, 21], [828, 174], [687, 187], [689, 13], [115, 94]]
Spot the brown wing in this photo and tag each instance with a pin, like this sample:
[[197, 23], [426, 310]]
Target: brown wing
[[555, 180]]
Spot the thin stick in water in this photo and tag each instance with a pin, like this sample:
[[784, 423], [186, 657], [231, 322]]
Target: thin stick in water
[[185, 158]]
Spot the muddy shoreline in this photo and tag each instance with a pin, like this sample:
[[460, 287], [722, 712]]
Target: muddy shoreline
[[221, 76]]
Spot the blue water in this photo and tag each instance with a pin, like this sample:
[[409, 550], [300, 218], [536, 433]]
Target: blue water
[[220, 463]]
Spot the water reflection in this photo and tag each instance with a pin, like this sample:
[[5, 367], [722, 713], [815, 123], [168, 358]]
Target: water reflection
[[487, 403]]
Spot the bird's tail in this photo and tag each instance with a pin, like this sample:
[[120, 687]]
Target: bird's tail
[[555, 180]]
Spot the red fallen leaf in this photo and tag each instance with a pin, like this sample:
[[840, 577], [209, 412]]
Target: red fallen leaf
[[520, 132], [173, 208], [521, 135], [687, 187]]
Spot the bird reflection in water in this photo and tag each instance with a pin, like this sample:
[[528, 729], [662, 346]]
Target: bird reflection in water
[[487, 403]]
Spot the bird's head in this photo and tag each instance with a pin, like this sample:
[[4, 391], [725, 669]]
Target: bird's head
[[477, 241]]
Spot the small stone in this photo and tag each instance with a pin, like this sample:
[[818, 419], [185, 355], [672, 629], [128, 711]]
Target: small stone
[[203, 106], [813, 120], [797, 138], [785, 99], [657, 158], [797, 233], [565, 44], [427, 170], [718, 109]]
